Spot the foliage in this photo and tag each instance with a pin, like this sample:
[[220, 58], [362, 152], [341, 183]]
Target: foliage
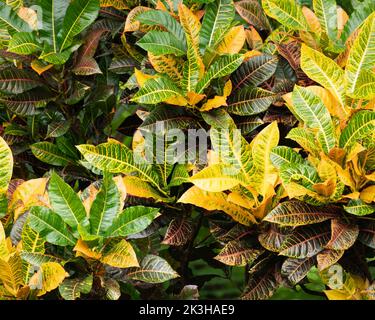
[[284, 199]]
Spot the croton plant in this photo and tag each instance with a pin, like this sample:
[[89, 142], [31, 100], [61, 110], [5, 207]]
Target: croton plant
[[102, 193]]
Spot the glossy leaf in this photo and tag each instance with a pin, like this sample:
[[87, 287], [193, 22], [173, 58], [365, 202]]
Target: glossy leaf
[[105, 207], [71, 289], [132, 220], [153, 269], [296, 269], [50, 226], [305, 242], [66, 203], [287, 12], [296, 213], [179, 232], [343, 235], [49, 153], [254, 71]]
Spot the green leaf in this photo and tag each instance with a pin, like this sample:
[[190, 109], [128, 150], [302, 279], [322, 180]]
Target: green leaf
[[132, 220], [359, 74], [53, 13], [105, 207], [223, 66], [359, 208], [32, 242], [305, 139], [71, 289], [157, 90], [254, 71], [9, 20], [361, 11], [153, 269], [158, 17], [281, 155], [79, 15], [6, 167], [361, 125], [193, 67], [296, 269], [50, 226], [161, 43], [14, 81], [343, 235], [24, 43], [216, 22], [66, 203], [324, 71], [305, 242], [310, 108], [296, 213], [49, 153], [287, 12], [117, 158], [250, 101], [26, 103], [326, 12], [38, 258]]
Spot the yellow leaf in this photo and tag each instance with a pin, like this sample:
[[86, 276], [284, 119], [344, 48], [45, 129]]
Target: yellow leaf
[[194, 98], [354, 195], [342, 18], [263, 172], [177, 101], [118, 4], [121, 188], [325, 188], [216, 178], [217, 201], [241, 200], [131, 23], [82, 249], [142, 77], [29, 193], [337, 294], [334, 108], [88, 196], [233, 41], [168, 64], [121, 255], [218, 101], [368, 194], [253, 39], [2, 232], [136, 187], [212, 157], [52, 275], [312, 20], [39, 67], [263, 208], [30, 16], [370, 176], [11, 273], [250, 54], [326, 170]]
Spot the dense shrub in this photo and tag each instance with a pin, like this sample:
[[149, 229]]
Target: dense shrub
[[103, 192]]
